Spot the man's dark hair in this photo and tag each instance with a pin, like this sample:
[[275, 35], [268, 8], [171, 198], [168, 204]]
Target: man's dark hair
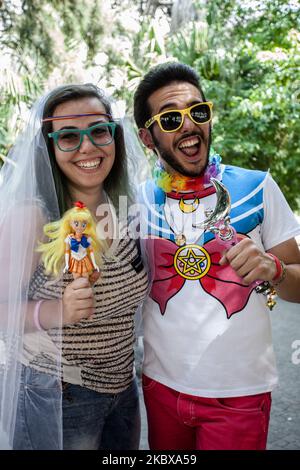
[[156, 78]]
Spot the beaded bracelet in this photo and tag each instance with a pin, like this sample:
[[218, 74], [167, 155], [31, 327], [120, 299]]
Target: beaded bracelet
[[283, 274], [280, 270]]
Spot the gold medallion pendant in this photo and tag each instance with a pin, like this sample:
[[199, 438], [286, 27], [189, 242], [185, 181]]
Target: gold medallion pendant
[[192, 261], [188, 208]]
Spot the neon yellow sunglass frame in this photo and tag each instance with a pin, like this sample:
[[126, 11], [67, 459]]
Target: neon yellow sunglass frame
[[182, 113]]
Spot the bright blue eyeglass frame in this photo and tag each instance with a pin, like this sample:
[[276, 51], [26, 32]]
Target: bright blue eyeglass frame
[[82, 132]]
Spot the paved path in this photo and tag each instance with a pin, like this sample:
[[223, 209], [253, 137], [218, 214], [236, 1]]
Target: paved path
[[285, 417], [284, 432]]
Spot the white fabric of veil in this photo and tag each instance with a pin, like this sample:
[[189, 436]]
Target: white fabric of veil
[[27, 201], [139, 171]]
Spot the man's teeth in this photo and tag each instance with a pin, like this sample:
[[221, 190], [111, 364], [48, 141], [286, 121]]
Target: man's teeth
[[90, 164], [189, 143]]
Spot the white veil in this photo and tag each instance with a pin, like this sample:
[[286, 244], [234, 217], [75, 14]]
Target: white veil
[[27, 201]]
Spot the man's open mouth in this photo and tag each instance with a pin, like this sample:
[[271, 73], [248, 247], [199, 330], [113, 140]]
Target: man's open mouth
[[190, 146]]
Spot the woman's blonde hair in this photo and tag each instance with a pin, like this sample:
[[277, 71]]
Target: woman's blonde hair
[[53, 251]]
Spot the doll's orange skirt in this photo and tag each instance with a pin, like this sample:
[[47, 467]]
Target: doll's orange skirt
[[82, 266]]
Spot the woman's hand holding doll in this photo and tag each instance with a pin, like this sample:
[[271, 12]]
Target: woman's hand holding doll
[[78, 301]]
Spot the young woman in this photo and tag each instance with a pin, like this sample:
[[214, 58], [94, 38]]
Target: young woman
[[67, 344]]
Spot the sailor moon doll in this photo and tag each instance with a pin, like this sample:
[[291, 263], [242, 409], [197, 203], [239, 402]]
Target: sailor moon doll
[[73, 240]]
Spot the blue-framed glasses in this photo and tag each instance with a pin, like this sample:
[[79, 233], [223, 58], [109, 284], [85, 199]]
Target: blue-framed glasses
[[100, 134]]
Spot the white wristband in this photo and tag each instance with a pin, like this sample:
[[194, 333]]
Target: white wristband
[[36, 315]]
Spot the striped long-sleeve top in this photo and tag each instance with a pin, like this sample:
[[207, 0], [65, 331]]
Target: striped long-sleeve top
[[96, 353]]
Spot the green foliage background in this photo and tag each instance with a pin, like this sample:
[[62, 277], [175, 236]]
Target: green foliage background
[[246, 52]]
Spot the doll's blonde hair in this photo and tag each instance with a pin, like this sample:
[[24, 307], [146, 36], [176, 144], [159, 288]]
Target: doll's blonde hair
[[53, 251]]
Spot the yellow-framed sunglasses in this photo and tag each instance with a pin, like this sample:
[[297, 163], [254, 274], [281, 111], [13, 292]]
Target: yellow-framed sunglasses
[[172, 119]]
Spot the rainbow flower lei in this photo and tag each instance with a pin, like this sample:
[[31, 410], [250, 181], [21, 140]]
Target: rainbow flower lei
[[178, 183]]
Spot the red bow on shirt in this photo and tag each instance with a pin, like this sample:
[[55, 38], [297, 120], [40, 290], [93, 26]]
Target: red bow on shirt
[[220, 282]]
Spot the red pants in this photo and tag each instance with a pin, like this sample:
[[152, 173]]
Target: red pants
[[177, 421]]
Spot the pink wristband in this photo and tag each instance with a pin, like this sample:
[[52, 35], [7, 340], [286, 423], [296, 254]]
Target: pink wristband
[[36, 315]]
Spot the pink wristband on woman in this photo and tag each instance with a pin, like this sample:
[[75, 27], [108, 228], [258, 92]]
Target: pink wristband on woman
[[36, 315]]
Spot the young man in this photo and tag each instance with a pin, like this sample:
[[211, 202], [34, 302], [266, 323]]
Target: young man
[[209, 365]]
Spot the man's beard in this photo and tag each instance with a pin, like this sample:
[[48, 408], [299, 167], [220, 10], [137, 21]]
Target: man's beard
[[175, 164]]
